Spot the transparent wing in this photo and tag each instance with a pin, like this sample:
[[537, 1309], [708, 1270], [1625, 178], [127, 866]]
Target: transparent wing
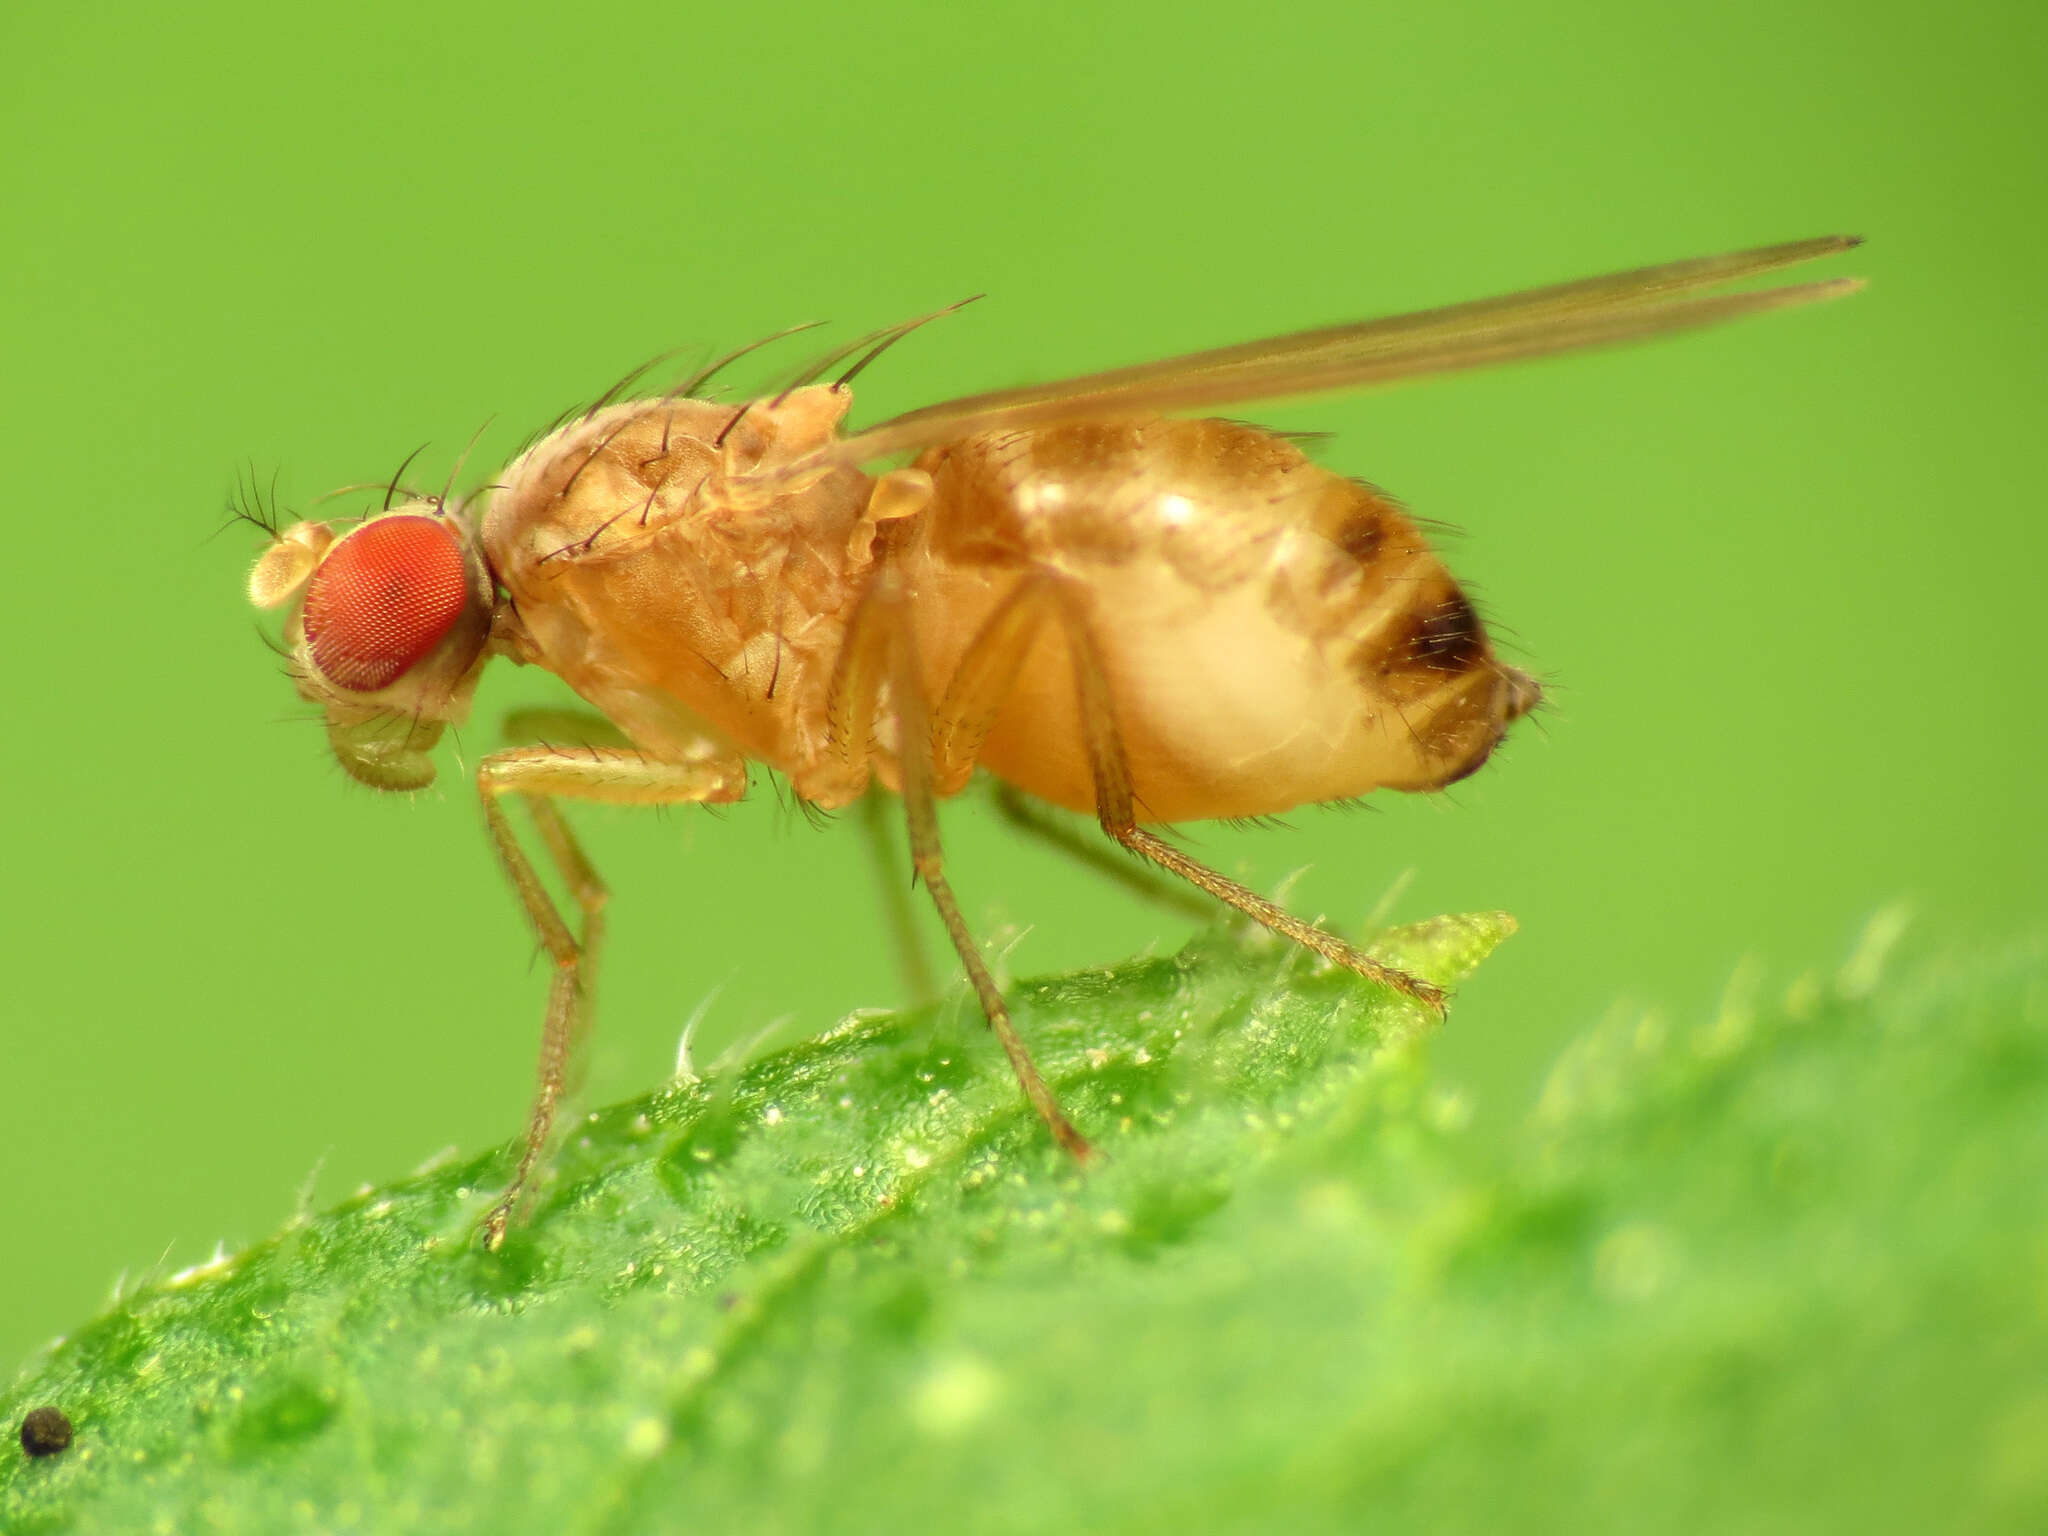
[[1593, 312]]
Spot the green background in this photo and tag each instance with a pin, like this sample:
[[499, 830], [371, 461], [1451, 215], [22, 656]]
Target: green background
[[1780, 578]]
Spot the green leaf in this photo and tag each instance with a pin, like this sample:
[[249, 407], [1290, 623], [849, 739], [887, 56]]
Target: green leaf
[[1780, 1273]]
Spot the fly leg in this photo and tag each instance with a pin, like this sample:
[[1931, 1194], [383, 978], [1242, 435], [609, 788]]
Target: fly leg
[[1034, 818], [882, 645], [538, 775], [885, 858], [576, 730], [1116, 810]]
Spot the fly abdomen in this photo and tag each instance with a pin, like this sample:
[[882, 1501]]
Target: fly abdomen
[[1427, 669], [1273, 633]]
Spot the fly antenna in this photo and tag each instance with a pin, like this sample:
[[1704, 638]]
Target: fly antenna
[[246, 505]]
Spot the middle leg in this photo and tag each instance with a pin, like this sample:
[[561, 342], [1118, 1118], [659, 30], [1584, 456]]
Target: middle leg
[[883, 643]]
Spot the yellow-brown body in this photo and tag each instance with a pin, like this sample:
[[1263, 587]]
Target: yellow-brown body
[[1273, 634], [1110, 606]]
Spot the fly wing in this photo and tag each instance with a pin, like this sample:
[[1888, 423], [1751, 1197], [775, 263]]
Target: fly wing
[[1593, 312]]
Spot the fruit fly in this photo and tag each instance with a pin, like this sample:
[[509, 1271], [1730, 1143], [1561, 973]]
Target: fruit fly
[[1111, 605]]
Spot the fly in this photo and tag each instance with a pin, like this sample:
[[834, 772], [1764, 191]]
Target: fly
[[1134, 613]]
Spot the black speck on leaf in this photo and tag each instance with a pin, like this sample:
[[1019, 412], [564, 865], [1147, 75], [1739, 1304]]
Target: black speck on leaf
[[45, 1431]]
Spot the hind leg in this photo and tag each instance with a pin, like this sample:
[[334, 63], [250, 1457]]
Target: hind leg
[[1116, 810]]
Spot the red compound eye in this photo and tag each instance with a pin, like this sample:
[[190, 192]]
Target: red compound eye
[[384, 597]]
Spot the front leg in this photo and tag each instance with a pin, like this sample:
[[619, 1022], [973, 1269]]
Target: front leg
[[615, 776]]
